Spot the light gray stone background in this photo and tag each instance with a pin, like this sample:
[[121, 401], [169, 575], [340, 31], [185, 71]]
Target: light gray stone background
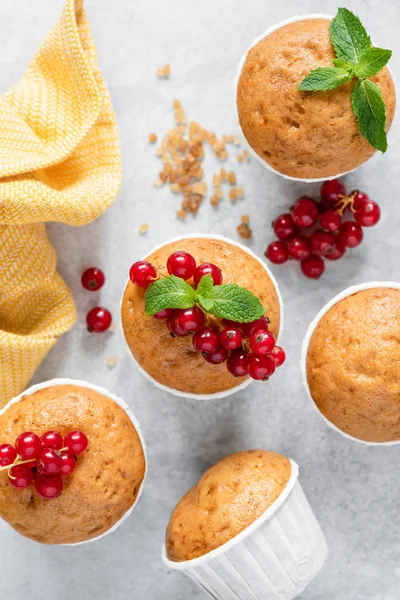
[[353, 489]]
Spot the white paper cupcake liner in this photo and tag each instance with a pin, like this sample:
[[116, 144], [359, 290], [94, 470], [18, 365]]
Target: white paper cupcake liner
[[275, 558], [348, 292], [236, 81], [246, 382], [64, 381]]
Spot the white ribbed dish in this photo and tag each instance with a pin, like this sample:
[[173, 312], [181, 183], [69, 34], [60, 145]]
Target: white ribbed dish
[[275, 558], [246, 382], [40, 386], [303, 361], [236, 81]]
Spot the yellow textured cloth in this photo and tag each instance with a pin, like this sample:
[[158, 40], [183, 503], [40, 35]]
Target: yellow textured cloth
[[59, 161]]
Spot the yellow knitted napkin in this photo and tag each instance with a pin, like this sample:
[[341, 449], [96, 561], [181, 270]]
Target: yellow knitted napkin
[[59, 161]]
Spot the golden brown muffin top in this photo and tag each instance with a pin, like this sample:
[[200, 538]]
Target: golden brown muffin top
[[107, 477], [174, 362], [228, 498], [353, 364], [302, 134]]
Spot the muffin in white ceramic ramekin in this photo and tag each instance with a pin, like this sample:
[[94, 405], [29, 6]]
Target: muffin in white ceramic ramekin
[[250, 529], [349, 363], [172, 364], [108, 478]]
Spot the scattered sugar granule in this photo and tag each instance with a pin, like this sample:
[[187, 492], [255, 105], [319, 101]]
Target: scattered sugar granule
[[240, 158], [246, 155], [143, 228], [152, 138], [164, 72], [243, 229], [214, 200], [232, 177], [235, 193], [245, 219], [111, 329], [181, 214], [111, 362]]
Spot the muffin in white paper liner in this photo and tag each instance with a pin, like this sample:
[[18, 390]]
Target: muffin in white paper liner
[[276, 557], [246, 382], [64, 381], [350, 291]]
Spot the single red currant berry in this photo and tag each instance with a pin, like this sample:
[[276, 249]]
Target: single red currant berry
[[277, 252], [231, 338], [28, 445], [217, 357], [337, 252], [249, 328], [260, 367], [93, 279], [237, 363], [368, 214], [305, 212], [313, 266], [359, 198], [205, 269], [190, 319], [52, 439], [330, 220], [279, 356], [262, 342], [7, 455], [350, 234], [142, 273], [98, 319], [299, 247], [181, 264], [76, 442], [322, 242], [48, 462], [68, 464], [163, 314], [172, 324], [20, 476], [48, 487], [331, 191], [206, 340], [284, 227]]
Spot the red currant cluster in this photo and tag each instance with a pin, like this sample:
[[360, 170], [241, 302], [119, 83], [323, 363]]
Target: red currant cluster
[[98, 319], [44, 460], [247, 348], [333, 235]]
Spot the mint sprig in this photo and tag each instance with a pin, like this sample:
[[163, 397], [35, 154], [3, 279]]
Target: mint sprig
[[356, 58], [170, 292]]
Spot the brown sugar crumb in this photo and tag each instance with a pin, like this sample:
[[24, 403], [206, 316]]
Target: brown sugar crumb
[[214, 200], [236, 140], [246, 155], [152, 138], [235, 193], [111, 362], [143, 228], [245, 219], [232, 177], [243, 228], [240, 158], [164, 72], [181, 214]]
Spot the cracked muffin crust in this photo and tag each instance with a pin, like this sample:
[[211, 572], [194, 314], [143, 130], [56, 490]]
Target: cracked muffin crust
[[107, 477], [353, 362], [228, 498], [302, 134]]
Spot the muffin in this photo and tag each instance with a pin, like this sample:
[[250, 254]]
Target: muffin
[[246, 526], [351, 363], [304, 135], [106, 478], [177, 363]]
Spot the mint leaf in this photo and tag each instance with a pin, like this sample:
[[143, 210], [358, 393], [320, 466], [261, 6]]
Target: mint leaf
[[171, 292], [232, 302], [342, 64], [371, 62], [370, 111], [348, 36], [324, 79], [205, 285]]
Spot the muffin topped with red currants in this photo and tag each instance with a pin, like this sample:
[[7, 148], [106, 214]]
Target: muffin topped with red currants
[[201, 315]]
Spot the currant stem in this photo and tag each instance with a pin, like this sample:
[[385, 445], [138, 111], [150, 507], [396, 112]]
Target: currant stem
[[15, 463], [344, 202]]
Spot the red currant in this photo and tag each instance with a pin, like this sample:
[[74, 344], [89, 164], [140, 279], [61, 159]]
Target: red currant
[[190, 319], [277, 252], [98, 319], [279, 356], [330, 220], [238, 362], [299, 247], [350, 234], [20, 476], [261, 367], [331, 192], [368, 214], [205, 269], [68, 464], [142, 273], [163, 314], [262, 342], [249, 328], [181, 264], [322, 242], [206, 340], [313, 266], [48, 462], [217, 357], [93, 279], [8, 454], [337, 252], [305, 212], [76, 442], [52, 439], [172, 324], [359, 199], [48, 487], [28, 445], [231, 338], [284, 227]]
